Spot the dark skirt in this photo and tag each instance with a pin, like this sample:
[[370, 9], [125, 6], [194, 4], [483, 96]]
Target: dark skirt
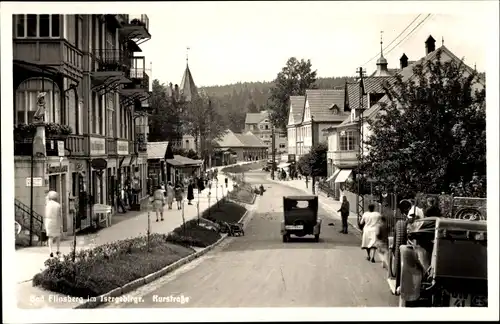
[[190, 194]]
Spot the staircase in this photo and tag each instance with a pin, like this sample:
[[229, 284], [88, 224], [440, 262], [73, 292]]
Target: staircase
[[22, 216]]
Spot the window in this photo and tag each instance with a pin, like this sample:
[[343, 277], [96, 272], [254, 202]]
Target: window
[[267, 126], [110, 105], [37, 25], [261, 126], [348, 141], [282, 146], [26, 101]]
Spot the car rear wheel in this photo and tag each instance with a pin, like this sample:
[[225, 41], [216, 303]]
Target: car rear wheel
[[400, 238], [286, 238]]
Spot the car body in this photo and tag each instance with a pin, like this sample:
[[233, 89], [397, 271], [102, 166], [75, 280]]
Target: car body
[[300, 217], [444, 263]]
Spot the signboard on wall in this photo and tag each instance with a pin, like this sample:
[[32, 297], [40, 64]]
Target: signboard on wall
[[37, 182], [97, 146], [60, 148], [122, 147]]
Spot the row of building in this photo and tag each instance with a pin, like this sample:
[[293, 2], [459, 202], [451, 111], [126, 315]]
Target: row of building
[[332, 116], [81, 90]]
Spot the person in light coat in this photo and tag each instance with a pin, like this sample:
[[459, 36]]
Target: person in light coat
[[170, 195], [371, 221], [53, 222], [158, 202]]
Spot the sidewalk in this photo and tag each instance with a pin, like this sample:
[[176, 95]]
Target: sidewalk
[[331, 205]]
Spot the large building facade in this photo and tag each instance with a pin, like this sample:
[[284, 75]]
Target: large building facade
[[80, 112]]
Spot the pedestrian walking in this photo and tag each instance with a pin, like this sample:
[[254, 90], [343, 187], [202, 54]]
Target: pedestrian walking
[[344, 214], [226, 181], [190, 193], [158, 202], [119, 200], [370, 221], [178, 190], [53, 222], [201, 187], [170, 195]]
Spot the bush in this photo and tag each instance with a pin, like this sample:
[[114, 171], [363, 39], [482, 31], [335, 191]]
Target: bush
[[193, 235], [226, 212], [104, 268]]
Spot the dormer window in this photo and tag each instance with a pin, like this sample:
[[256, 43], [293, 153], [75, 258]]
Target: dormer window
[[335, 109]]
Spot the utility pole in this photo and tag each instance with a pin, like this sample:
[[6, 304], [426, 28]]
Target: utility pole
[[209, 146], [312, 145], [273, 151], [360, 199]]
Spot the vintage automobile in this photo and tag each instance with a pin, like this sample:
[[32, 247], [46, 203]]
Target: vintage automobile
[[300, 217], [441, 261]]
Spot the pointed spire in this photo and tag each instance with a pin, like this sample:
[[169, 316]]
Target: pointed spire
[[475, 67], [188, 88], [442, 41], [187, 55], [381, 62]]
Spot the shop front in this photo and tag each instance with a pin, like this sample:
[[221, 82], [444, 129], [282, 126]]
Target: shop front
[[57, 173]]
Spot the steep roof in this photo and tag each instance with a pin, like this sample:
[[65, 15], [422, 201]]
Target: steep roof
[[156, 150], [231, 139], [188, 88], [179, 160], [407, 74], [255, 118], [322, 100], [297, 108]]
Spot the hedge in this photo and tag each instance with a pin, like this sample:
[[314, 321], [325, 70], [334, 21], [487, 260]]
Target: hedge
[[243, 193]]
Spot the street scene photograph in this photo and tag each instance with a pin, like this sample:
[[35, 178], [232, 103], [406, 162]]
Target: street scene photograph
[[250, 161]]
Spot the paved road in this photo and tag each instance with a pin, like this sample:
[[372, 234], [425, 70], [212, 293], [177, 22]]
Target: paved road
[[259, 270]]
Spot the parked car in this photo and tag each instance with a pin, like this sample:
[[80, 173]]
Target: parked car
[[300, 217]]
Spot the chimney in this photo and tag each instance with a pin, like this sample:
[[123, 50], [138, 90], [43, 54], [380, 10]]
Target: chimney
[[176, 91], [430, 45], [403, 61]]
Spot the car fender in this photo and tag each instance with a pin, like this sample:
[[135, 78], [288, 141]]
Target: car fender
[[317, 227], [411, 274]]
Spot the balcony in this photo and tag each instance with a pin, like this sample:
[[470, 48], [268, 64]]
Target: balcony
[[345, 159], [137, 90], [57, 54], [136, 28], [140, 136], [111, 67], [76, 144]]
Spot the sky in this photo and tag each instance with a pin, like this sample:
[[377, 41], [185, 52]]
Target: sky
[[251, 41], [238, 41]]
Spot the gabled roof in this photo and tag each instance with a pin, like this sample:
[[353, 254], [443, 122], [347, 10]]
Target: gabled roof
[[250, 140], [255, 118], [188, 88], [407, 74], [229, 139], [180, 160], [321, 100], [156, 150], [297, 104]]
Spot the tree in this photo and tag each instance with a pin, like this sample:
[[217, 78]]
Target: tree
[[431, 136], [314, 163], [202, 120], [293, 80], [252, 107], [165, 121]]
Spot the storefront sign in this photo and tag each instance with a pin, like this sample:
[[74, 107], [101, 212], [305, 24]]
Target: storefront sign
[[122, 147], [97, 146], [57, 169]]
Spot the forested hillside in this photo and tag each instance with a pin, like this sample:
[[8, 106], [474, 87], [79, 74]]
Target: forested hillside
[[239, 98]]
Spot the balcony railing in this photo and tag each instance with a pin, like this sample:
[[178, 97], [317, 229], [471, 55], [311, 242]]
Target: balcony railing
[[139, 20], [111, 146], [111, 60], [76, 144], [140, 79]]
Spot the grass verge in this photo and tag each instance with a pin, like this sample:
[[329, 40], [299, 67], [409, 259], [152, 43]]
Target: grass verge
[[104, 268], [243, 193]]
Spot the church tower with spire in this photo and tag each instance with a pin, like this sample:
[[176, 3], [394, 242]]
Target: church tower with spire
[[382, 70], [188, 88]]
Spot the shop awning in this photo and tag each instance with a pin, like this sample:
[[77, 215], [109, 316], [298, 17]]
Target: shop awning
[[126, 161], [182, 161], [333, 176], [343, 175]]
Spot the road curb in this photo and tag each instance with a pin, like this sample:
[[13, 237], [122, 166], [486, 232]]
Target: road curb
[[133, 285], [325, 206]]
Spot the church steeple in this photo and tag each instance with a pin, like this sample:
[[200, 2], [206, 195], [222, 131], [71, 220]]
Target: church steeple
[[381, 62], [188, 87]]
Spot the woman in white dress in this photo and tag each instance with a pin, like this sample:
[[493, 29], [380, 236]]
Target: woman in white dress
[[53, 221], [371, 222]]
